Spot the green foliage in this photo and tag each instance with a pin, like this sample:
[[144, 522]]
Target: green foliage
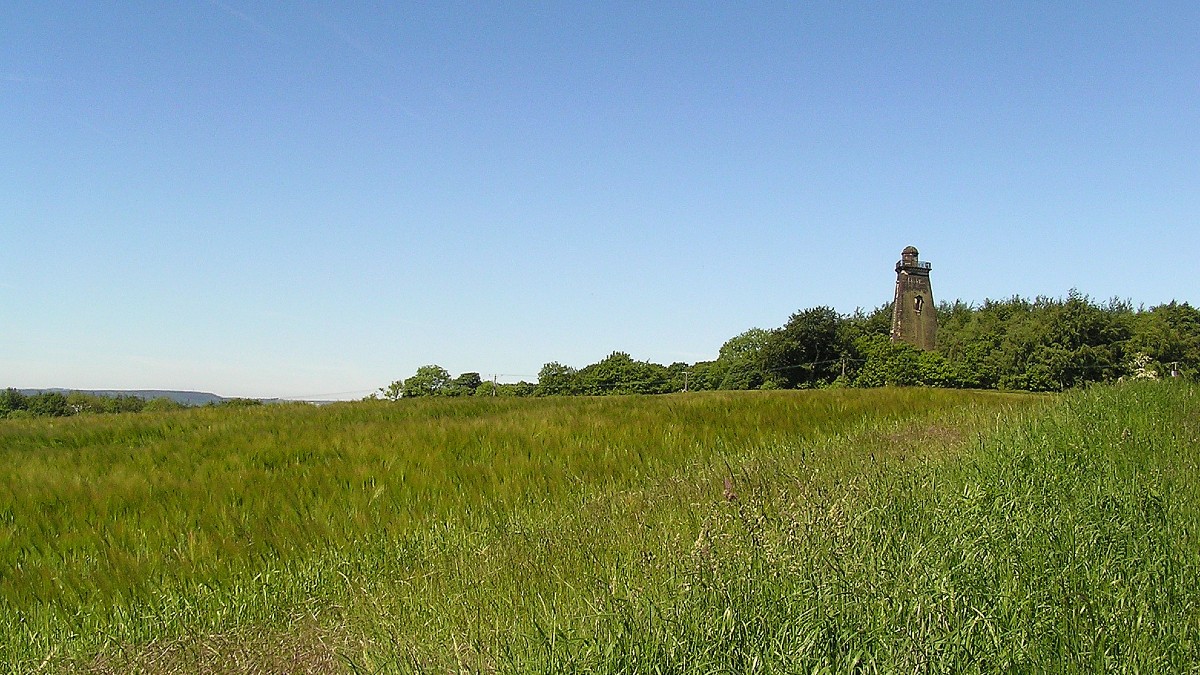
[[511, 389], [521, 388], [463, 385], [57, 404], [705, 375], [743, 361], [555, 379], [162, 404], [433, 380], [1170, 336], [49, 404], [392, 392], [620, 374], [806, 351], [1045, 344], [1067, 344], [240, 403], [877, 322], [487, 388], [429, 380], [887, 363], [12, 400], [679, 377], [121, 404]]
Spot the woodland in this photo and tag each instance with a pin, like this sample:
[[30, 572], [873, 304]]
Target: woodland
[[1043, 344]]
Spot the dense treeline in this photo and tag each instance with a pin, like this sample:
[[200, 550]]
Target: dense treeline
[[15, 404], [1044, 344]]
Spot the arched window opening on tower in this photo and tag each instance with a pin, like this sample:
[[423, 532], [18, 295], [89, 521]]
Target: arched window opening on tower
[[910, 322]]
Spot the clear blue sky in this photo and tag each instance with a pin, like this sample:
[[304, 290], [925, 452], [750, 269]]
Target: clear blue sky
[[313, 199]]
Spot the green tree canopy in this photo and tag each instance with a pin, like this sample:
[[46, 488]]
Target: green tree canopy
[[463, 385], [1170, 336], [11, 400], [619, 373], [1044, 344], [742, 361], [807, 350], [431, 380], [555, 379]]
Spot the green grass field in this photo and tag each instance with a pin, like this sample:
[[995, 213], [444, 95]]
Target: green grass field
[[912, 530]]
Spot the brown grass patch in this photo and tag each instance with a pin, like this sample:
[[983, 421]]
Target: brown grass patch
[[305, 648]]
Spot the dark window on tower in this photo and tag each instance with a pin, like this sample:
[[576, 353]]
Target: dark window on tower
[[918, 303]]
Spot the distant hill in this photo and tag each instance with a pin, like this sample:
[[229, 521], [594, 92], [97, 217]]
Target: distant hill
[[184, 397]]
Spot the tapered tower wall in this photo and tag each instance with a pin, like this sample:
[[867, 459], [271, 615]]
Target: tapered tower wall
[[914, 315]]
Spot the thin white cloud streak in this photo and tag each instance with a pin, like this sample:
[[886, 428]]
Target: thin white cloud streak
[[239, 14], [362, 49]]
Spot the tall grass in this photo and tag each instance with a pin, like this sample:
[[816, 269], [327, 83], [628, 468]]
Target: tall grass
[[1065, 542], [860, 531], [406, 533]]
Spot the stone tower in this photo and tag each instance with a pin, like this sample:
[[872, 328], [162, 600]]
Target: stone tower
[[914, 317]]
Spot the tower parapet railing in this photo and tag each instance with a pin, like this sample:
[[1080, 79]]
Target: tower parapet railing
[[919, 264]]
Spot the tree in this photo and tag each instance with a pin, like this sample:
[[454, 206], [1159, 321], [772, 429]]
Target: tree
[[887, 363], [79, 402], [429, 380], [1064, 343], [521, 388], [705, 375], [162, 404], [1168, 334], [123, 403], [392, 392], [899, 364], [619, 373], [679, 376], [876, 322], [12, 400], [49, 404], [742, 361], [463, 385], [555, 379], [240, 403], [980, 343], [806, 351]]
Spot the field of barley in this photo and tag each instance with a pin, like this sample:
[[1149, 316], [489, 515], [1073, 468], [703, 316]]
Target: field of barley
[[888, 530]]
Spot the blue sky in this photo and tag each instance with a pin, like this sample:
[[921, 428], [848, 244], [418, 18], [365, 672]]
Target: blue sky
[[313, 199]]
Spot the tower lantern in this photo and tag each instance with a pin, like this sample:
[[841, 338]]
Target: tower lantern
[[914, 316]]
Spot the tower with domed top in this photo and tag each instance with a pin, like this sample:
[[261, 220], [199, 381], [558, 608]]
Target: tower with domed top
[[914, 316]]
